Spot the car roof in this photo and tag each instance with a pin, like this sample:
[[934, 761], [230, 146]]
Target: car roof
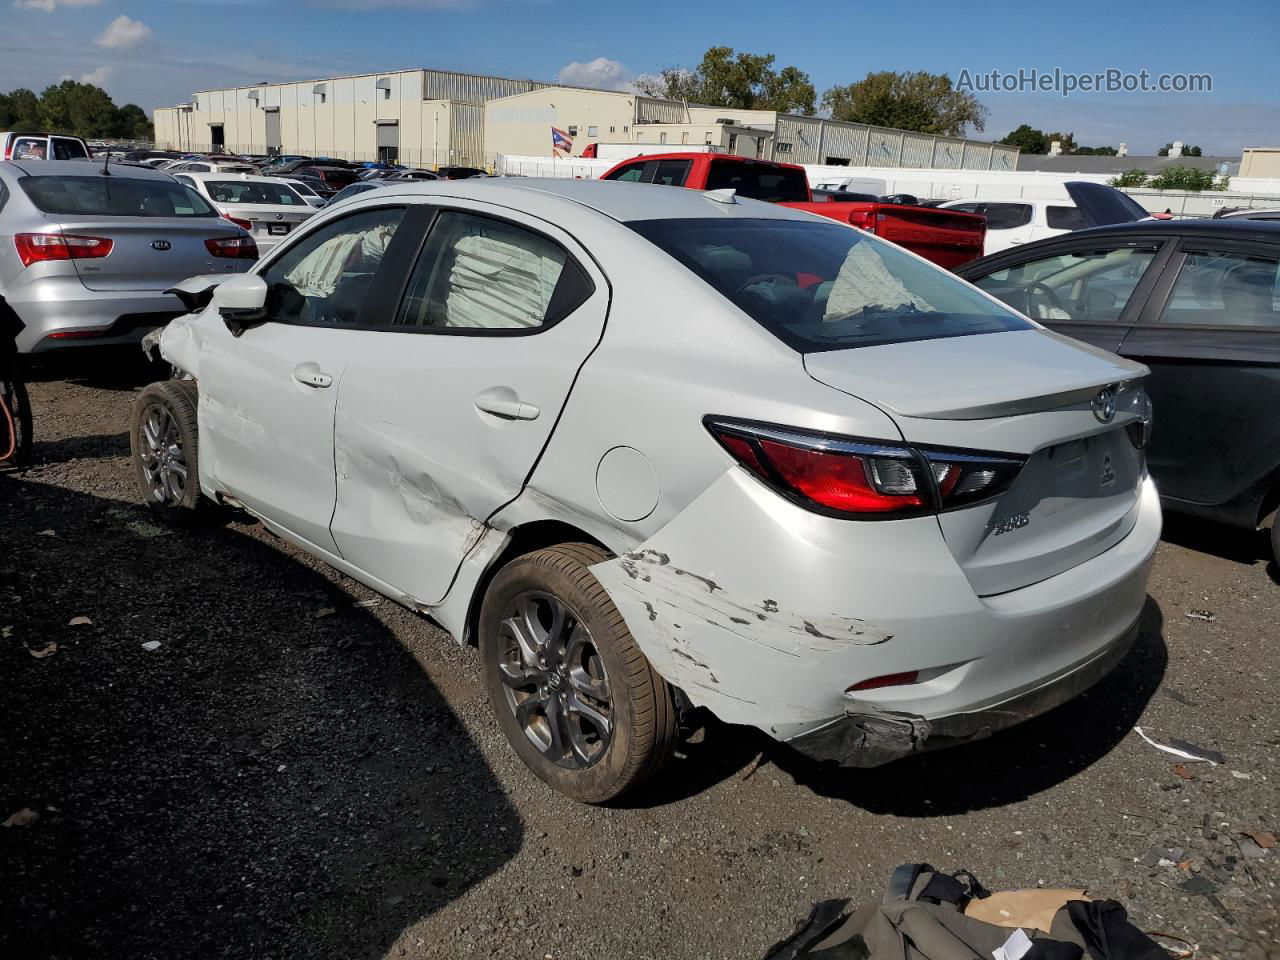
[[81, 168], [1223, 228], [1063, 201], [621, 201], [228, 175]]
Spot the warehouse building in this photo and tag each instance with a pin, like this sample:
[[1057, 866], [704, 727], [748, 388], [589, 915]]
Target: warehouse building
[[432, 118]]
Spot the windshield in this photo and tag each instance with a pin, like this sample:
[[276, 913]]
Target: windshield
[[115, 196], [759, 181], [247, 191], [819, 286]]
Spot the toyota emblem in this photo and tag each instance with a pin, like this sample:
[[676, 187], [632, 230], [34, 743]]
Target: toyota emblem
[[1104, 405], [161, 245]]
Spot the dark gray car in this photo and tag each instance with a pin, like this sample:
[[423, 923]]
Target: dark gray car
[[87, 252], [1196, 301]]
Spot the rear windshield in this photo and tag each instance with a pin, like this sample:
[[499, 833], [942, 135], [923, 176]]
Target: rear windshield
[[242, 191], [759, 182], [819, 286], [114, 196]]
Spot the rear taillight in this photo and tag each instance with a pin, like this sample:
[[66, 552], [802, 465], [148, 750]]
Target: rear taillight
[[233, 248], [856, 478], [242, 224], [42, 247]]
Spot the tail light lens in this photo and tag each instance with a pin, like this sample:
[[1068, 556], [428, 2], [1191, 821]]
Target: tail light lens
[[233, 248], [242, 224], [41, 247], [863, 479]]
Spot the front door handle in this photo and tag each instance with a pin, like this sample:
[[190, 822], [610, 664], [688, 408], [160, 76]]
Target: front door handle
[[310, 375], [503, 402]]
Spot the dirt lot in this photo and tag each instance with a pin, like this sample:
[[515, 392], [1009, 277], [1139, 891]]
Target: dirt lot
[[300, 770]]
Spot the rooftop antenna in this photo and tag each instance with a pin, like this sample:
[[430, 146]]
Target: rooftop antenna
[[106, 159]]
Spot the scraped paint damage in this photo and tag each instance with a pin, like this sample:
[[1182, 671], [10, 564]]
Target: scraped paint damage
[[656, 595]]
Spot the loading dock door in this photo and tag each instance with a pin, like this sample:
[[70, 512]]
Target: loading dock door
[[273, 131], [388, 142]]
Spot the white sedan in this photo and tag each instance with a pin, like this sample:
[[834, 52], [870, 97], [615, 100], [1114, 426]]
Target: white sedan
[[268, 207], [659, 449]]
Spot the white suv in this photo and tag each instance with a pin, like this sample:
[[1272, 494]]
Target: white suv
[[656, 449], [1012, 222]]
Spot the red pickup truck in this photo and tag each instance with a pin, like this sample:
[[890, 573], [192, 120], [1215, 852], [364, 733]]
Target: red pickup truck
[[947, 237]]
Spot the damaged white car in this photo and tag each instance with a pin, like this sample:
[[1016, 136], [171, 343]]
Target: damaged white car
[[658, 449]]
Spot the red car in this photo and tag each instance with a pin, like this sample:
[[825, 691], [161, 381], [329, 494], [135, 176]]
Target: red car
[[947, 237]]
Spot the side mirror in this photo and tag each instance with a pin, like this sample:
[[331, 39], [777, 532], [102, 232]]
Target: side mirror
[[241, 301]]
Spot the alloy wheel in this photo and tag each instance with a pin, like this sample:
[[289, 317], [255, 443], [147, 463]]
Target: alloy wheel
[[163, 461], [554, 680]]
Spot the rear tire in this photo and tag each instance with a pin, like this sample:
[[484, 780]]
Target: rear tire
[[163, 436], [573, 694]]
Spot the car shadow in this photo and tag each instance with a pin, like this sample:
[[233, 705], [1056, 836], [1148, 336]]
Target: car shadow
[[279, 777], [1218, 539], [121, 369], [1012, 765]]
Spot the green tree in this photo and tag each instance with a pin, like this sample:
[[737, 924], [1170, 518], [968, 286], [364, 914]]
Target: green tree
[[735, 79], [132, 123], [1188, 150], [1130, 178], [23, 108], [80, 109], [1187, 178], [1027, 139], [1067, 141], [914, 100], [1094, 152]]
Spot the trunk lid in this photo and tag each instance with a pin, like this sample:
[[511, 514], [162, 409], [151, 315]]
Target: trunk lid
[[271, 221], [151, 253], [1030, 393], [1102, 206]]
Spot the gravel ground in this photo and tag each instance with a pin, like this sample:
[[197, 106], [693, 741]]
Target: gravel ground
[[301, 770]]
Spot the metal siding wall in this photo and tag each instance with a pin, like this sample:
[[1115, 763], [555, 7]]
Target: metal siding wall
[[949, 154], [804, 135], [844, 141], [660, 111], [469, 88], [882, 147], [917, 150], [1004, 158], [466, 134]]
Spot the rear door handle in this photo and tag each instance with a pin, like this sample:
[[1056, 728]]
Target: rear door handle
[[309, 374], [503, 402]]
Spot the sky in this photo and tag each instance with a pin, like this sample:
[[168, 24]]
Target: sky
[[158, 52]]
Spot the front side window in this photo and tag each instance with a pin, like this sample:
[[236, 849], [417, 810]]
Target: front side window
[[325, 277], [631, 174], [819, 286], [249, 191], [114, 196], [1084, 286], [1224, 289], [758, 181], [64, 149], [477, 273]]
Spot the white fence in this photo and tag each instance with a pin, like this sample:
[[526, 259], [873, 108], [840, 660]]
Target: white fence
[[961, 184]]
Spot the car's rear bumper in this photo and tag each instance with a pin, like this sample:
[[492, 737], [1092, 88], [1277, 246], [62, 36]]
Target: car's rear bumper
[[66, 317], [863, 739], [769, 615]]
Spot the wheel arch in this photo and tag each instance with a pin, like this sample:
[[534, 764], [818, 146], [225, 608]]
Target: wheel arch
[[521, 540]]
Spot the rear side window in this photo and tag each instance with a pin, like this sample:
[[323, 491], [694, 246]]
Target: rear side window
[[30, 148], [759, 182], [671, 173], [1006, 216], [1064, 218], [64, 149], [819, 286], [480, 274], [1224, 289], [114, 196]]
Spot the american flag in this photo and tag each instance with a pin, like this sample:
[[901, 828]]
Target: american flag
[[561, 141]]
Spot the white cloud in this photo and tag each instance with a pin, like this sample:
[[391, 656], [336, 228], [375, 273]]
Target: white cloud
[[48, 6], [96, 77], [600, 73], [123, 33]]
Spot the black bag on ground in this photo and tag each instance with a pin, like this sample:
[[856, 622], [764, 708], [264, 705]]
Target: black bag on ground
[[922, 917]]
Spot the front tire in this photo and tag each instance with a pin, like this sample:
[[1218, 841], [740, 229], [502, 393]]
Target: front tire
[[163, 438], [573, 694]]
